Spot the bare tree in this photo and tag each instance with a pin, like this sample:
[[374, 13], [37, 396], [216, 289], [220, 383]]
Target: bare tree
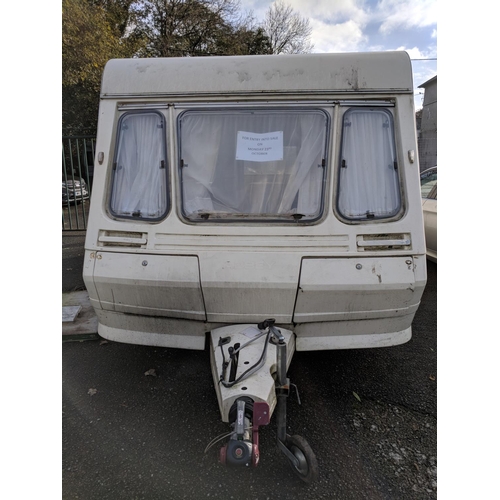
[[288, 32]]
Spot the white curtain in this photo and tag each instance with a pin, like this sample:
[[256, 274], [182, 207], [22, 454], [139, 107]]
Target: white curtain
[[368, 181], [199, 137], [306, 175], [215, 182], [139, 183]]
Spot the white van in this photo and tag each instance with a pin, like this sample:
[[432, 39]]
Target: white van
[[228, 190]]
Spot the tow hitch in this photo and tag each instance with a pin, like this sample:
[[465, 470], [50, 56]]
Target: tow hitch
[[251, 382]]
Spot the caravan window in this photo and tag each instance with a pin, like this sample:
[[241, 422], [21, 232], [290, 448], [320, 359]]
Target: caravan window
[[253, 164], [368, 186], [139, 183]]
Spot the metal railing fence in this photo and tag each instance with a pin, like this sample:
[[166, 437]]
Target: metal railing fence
[[78, 154]]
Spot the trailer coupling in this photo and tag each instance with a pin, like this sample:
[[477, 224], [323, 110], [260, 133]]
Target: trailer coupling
[[246, 417], [249, 366]]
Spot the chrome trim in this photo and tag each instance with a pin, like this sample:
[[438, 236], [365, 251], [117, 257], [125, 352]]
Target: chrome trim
[[249, 104], [285, 94]]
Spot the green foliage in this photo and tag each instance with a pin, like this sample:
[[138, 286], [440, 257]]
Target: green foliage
[[119, 13], [88, 42], [95, 31], [250, 42], [180, 28]]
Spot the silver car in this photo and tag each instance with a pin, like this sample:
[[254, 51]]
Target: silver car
[[428, 187], [74, 191]]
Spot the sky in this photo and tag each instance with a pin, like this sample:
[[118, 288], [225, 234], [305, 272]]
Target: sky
[[370, 25]]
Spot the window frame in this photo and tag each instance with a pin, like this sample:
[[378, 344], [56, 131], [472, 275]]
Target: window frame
[[388, 110], [253, 218], [117, 130]]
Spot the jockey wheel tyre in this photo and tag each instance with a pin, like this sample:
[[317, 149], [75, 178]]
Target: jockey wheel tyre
[[307, 470]]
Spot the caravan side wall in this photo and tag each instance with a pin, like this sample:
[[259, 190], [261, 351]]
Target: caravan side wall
[[235, 189]]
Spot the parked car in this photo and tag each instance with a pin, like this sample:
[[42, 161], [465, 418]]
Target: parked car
[[74, 191], [428, 188]]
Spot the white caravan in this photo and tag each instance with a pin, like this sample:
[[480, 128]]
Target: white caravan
[[271, 203]]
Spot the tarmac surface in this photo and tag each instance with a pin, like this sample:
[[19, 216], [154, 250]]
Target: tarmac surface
[[137, 419]]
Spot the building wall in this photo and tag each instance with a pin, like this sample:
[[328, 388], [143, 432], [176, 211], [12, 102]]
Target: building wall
[[427, 142]]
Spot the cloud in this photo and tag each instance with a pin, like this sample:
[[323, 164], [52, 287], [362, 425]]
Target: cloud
[[414, 53], [341, 37], [417, 53], [337, 26], [337, 12], [390, 14], [365, 25], [396, 14]]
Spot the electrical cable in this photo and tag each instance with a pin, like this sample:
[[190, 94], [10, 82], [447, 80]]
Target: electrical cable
[[253, 368], [221, 437]]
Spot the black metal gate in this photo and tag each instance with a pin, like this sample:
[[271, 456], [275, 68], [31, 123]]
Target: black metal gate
[[78, 153]]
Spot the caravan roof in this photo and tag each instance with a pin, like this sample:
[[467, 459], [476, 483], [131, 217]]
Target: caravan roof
[[371, 72]]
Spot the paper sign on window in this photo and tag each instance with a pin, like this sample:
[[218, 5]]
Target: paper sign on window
[[259, 147]]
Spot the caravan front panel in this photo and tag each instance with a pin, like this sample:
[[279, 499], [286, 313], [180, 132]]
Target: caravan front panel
[[234, 189]]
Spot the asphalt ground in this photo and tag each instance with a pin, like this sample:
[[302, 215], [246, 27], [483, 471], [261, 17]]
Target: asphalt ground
[[137, 419], [73, 251]]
